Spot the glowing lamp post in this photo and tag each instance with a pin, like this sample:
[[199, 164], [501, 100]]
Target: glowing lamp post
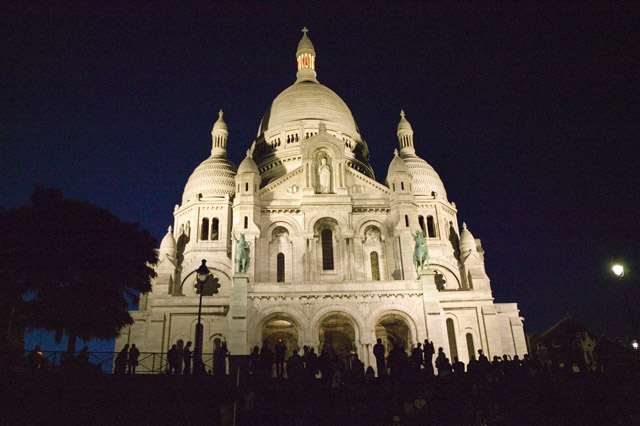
[[202, 275], [618, 271]]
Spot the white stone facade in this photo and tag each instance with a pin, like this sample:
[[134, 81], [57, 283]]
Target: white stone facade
[[331, 263]]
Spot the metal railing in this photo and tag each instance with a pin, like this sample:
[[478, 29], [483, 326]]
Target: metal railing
[[148, 362]]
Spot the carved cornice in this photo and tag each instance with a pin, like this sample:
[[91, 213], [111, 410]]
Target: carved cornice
[[301, 298]]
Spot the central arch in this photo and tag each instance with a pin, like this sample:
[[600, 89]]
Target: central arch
[[280, 327], [394, 330], [337, 336]]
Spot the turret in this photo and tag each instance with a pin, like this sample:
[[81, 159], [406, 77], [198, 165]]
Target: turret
[[219, 136], [405, 135], [306, 57]]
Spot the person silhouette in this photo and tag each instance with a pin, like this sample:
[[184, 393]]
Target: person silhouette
[[134, 354], [186, 359], [378, 352]]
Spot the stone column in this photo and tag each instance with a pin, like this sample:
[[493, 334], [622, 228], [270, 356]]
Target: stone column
[[237, 317]]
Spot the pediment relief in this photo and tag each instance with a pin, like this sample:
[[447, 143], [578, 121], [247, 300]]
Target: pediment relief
[[361, 185], [287, 186]]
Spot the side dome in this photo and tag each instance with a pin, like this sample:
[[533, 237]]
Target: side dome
[[426, 180], [214, 177]]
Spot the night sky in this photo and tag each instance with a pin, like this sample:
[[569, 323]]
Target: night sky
[[529, 112]]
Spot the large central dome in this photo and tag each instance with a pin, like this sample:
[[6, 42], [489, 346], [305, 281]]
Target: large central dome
[[308, 100], [297, 114]]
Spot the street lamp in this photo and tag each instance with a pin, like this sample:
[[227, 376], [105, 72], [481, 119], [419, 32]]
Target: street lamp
[[202, 275], [618, 271]]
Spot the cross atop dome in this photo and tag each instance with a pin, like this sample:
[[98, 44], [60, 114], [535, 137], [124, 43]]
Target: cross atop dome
[[305, 30]]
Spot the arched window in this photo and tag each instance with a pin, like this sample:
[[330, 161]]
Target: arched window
[[394, 186], [246, 186], [327, 249], [451, 333], [204, 234], [214, 229], [431, 226], [402, 185], [246, 222], [406, 220], [470, 348], [422, 225], [280, 268], [375, 267]]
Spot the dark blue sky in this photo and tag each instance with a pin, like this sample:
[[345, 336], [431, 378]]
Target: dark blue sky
[[529, 112]]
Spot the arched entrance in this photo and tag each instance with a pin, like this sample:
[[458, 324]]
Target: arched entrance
[[280, 327], [337, 336], [393, 330]]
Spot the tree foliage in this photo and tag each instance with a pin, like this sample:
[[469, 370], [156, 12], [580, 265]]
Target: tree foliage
[[73, 266]]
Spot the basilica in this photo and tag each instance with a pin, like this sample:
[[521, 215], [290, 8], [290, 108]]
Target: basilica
[[331, 258]]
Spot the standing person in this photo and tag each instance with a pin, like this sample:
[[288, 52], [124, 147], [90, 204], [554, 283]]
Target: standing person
[[254, 365], [219, 358], [172, 359], [121, 360], [280, 350], [134, 354], [266, 360], [179, 356], [295, 366], [186, 358], [428, 350], [378, 352], [417, 357]]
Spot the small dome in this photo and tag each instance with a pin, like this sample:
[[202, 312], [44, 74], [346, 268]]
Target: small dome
[[397, 165], [248, 165], [467, 242], [220, 124], [168, 246], [214, 177], [404, 123]]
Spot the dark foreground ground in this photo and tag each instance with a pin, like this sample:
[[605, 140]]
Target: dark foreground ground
[[73, 398]]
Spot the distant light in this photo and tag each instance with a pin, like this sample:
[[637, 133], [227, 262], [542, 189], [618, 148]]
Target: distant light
[[618, 270], [634, 344]]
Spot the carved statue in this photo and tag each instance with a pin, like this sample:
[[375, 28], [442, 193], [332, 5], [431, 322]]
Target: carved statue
[[372, 235], [242, 254], [420, 252], [324, 176]]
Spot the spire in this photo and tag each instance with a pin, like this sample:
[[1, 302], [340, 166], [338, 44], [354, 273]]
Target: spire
[[219, 136], [405, 134], [306, 57]]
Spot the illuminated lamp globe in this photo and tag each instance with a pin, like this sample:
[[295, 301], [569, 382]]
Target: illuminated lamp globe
[[618, 270], [202, 272]]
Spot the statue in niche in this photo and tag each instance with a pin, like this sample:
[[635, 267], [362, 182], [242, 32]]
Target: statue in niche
[[420, 252], [324, 177], [372, 235], [440, 281], [242, 254], [281, 236]]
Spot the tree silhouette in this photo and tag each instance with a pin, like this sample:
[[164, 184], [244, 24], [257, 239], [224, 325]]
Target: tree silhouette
[[71, 267]]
